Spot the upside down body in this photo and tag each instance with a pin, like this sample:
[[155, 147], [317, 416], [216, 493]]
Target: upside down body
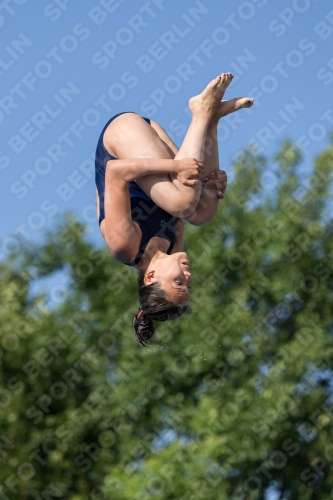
[[147, 190]]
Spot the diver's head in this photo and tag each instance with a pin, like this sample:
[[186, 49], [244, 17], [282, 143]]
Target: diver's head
[[173, 274], [164, 292]]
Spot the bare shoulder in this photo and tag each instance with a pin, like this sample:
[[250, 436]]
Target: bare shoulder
[[123, 249]]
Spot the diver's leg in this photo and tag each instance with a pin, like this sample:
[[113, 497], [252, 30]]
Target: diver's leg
[[129, 136], [208, 202]]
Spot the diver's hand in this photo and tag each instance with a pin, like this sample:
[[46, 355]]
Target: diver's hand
[[216, 180], [189, 170]]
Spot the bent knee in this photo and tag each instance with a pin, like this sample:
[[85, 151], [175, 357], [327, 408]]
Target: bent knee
[[186, 203], [179, 208], [198, 220], [175, 198]]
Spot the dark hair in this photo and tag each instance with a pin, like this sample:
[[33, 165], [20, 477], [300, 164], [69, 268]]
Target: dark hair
[[154, 306]]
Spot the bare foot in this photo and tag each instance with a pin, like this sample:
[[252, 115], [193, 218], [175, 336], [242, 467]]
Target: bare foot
[[227, 107], [206, 103]]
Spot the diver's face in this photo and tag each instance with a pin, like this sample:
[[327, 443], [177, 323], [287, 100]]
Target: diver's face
[[174, 275]]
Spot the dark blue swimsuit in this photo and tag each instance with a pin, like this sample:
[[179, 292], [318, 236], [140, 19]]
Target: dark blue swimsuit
[[152, 219]]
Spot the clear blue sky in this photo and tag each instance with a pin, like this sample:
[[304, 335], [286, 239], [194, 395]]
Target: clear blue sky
[[66, 67]]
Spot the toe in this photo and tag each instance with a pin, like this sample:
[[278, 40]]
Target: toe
[[226, 79], [215, 82]]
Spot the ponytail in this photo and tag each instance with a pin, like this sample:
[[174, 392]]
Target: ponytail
[[143, 328], [154, 306]]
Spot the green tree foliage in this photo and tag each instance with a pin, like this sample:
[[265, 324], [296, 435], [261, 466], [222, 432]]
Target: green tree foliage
[[231, 400]]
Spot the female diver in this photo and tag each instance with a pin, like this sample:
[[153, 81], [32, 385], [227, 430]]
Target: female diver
[[145, 197]]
